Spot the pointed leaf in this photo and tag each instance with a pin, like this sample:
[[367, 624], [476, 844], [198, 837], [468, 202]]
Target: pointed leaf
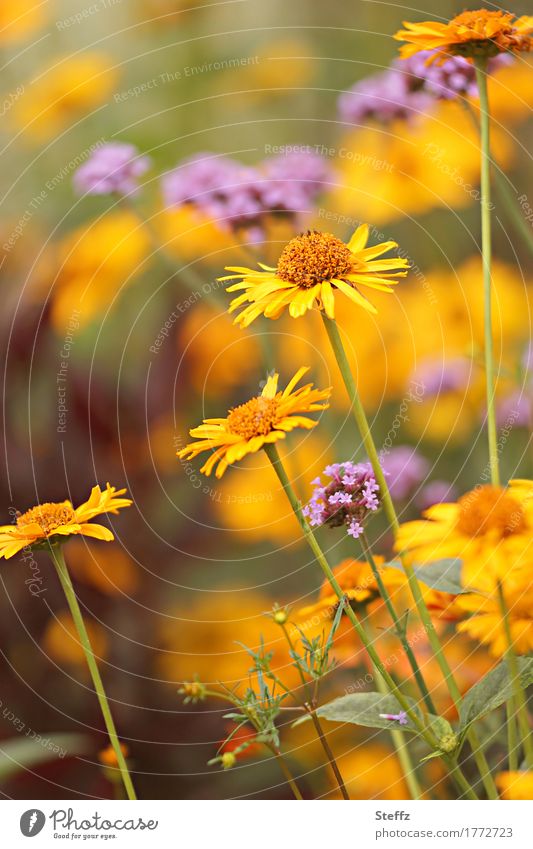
[[365, 709], [21, 753], [442, 575], [492, 691]]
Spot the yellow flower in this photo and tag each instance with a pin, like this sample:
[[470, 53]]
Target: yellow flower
[[53, 520], [95, 262], [61, 641], [19, 20], [515, 785], [309, 270], [262, 420], [479, 33], [358, 583], [490, 529], [71, 87], [486, 622]]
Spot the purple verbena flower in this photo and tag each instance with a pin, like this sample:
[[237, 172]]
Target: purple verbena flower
[[405, 469], [239, 196], [439, 376], [400, 717], [436, 492], [346, 499], [455, 77], [113, 167]]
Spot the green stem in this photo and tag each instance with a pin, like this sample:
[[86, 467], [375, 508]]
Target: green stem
[[518, 691], [505, 193], [388, 506], [310, 707], [400, 629], [486, 250], [58, 559], [512, 736], [398, 738], [287, 773]]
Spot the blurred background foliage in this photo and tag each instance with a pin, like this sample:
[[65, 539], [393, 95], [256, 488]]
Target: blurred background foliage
[[196, 561]]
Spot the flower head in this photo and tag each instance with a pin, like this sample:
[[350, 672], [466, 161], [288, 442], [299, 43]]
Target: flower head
[[113, 167], [489, 529], [358, 584], [405, 468], [52, 521], [347, 499], [474, 33], [262, 420], [310, 269]]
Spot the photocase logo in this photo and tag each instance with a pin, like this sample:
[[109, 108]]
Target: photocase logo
[[32, 822]]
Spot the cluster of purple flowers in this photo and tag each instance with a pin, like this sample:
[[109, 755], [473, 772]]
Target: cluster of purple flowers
[[239, 196], [111, 168], [405, 469], [347, 499], [439, 376], [411, 86]]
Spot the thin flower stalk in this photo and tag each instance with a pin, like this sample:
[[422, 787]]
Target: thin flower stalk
[[58, 560], [393, 688]]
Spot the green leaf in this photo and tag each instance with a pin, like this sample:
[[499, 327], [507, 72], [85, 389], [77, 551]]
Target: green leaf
[[20, 753], [443, 575], [365, 708], [492, 691]]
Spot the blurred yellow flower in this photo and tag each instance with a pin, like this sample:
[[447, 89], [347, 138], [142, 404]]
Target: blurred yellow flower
[[198, 638], [371, 771], [489, 528], [410, 169], [515, 785], [107, 568], [52, 521], [19, 20], [310, 269], [62, 643], [217, 354], [485, 623], [95, 262], [262, 420], [71, 87]]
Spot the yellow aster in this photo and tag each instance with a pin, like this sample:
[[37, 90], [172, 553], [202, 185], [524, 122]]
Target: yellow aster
[[52, 520], [311, 268], [485, 623], [490, 529], [474, 33], [263, 419]]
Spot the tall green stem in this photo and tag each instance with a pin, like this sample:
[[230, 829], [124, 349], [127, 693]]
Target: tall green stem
[[388, 506], [400, 629], [58, 559], [518, 691], [486, 250], [425, 733]]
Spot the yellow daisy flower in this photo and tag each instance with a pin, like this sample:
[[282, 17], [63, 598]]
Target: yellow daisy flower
[[310, 268], [485, 624], [515, 785], [490, 529], [261, 420], [471, 34], [51, 520]]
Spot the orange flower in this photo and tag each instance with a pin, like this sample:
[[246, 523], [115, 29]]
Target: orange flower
[[479, 33], [107, 756], [53, 520]]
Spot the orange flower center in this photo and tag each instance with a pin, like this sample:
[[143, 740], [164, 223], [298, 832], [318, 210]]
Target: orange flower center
[[485, 33], [490, 508], [477, 20], [314, 257], [48, 516], [255, 418]]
